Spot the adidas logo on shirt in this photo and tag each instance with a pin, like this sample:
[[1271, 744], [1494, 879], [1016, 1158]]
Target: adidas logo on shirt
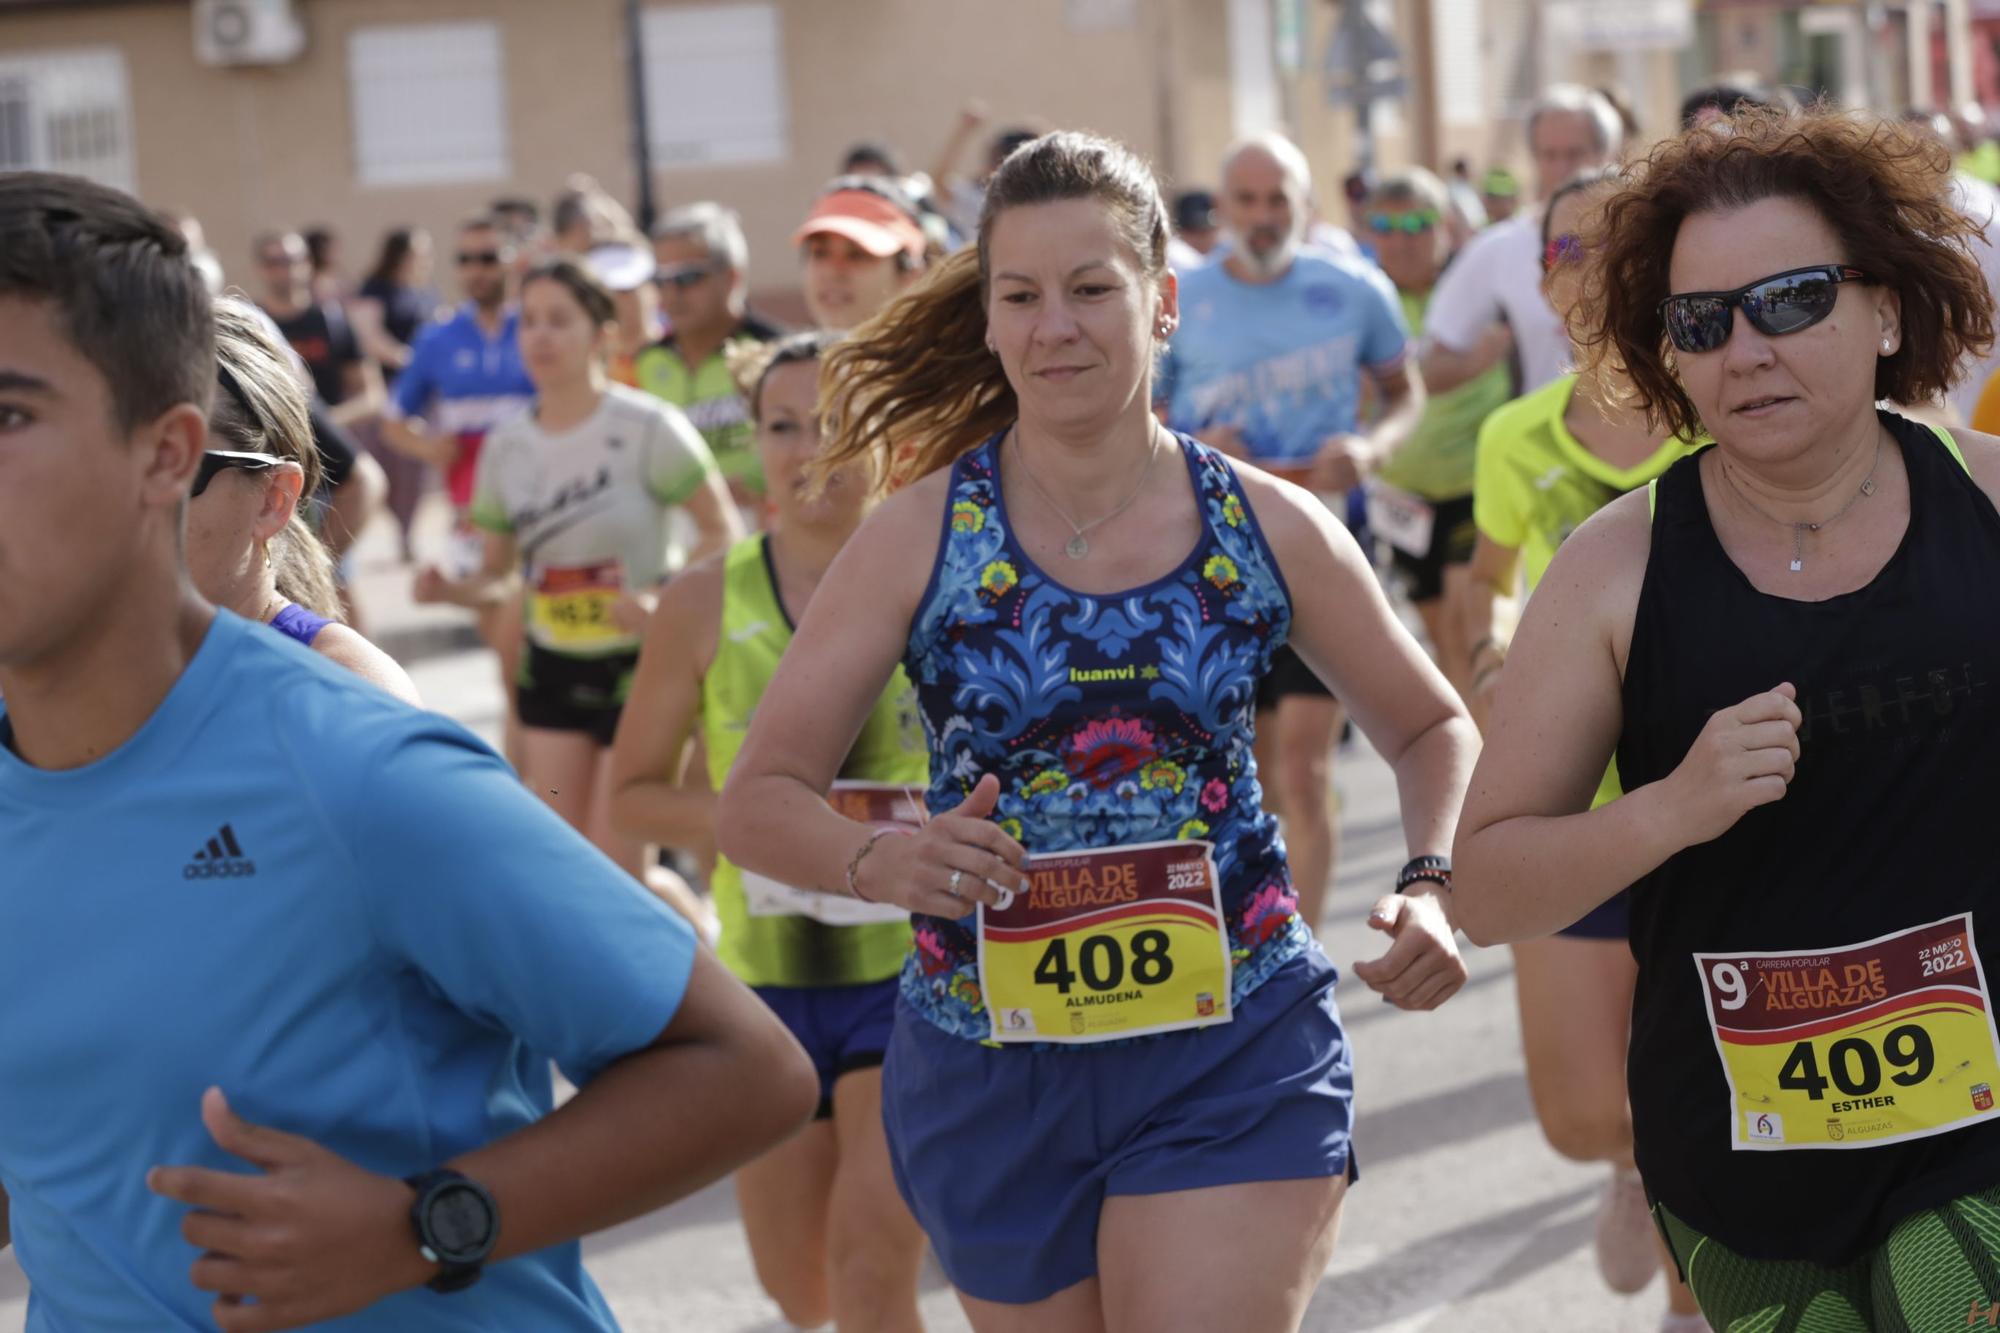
[[222, 858]]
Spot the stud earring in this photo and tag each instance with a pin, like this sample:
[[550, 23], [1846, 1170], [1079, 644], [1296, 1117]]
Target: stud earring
[[1885, 344]]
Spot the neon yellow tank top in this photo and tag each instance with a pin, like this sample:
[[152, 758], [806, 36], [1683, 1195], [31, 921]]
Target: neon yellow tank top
[[1535, 483], [794, 950]]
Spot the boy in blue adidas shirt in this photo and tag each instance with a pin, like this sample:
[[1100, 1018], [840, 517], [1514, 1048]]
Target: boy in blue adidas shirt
[[284, 961]]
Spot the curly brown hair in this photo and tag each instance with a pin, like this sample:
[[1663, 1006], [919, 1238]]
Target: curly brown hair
[[1885, 190]]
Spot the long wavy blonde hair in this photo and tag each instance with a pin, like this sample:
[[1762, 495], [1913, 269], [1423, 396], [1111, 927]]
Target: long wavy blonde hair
[[915, 387]]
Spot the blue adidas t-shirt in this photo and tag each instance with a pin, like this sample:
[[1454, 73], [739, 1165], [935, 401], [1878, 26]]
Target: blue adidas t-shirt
[[349, 915], [1281, 362]]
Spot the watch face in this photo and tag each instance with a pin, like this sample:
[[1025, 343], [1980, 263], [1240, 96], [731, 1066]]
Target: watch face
[[460, 1221]]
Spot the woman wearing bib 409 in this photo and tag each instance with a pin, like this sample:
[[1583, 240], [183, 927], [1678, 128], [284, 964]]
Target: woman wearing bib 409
[[1792, 646], [1118, 1094]]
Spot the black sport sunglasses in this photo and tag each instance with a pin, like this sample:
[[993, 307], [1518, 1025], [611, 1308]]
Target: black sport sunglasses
[[215, 460], [1782, 303]]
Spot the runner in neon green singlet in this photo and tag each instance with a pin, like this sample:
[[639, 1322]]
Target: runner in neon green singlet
[[1535, 482], [1546, 462], [830, 1235], [794, 950]]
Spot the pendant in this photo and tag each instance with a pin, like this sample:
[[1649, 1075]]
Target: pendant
[[1798, 565], [1076, 548]]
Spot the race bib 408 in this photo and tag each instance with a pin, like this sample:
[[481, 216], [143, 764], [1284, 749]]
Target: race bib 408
[[1107, 944]]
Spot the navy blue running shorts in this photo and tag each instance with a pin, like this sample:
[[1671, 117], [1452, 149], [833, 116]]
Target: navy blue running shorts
[[1007, 1154], [843, 1028], [1609, 920]]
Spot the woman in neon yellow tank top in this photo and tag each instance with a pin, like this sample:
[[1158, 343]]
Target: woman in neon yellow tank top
[[1547, 462], [829, 1234]]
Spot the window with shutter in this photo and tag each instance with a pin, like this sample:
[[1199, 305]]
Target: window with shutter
[[428, 103]]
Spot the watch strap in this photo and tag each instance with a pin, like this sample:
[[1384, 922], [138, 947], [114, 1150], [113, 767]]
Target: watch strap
[[453, 1274], [1434, 869]]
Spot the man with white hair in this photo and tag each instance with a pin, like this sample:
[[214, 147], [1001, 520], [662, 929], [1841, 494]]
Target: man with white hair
[[1496, 286], [1267, 365], [703, 262]]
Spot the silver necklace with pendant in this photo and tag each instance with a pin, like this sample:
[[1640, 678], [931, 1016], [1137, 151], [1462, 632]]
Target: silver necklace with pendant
[[1078, 546], [1799, 530]]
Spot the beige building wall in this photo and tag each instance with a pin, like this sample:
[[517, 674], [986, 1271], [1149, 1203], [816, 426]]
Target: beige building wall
[[250, 148], [1195, 95], [900, 70], [255, 147]]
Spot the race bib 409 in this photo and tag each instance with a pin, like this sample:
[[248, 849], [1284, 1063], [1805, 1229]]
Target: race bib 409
[[1874, 1043]]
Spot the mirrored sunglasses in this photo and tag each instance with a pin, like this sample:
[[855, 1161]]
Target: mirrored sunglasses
[[1780, 304], [1411, 224]]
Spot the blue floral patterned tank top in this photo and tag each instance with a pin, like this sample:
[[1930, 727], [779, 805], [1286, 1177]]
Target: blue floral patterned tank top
[[1109, 720]]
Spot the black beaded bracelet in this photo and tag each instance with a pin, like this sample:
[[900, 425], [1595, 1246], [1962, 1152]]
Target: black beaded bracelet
[[1435, 869]]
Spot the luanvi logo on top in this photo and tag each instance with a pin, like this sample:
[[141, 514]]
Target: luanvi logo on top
[[222, 858]]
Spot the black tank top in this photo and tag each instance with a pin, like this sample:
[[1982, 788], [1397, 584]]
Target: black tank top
[[1885, 828]]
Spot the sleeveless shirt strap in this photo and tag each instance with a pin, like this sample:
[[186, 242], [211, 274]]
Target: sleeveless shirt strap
[[1950, 447], [1944, 438]]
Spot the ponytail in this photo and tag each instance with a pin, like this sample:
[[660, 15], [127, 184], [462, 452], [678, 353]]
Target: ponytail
[[914, 387], [304, 568], [261, 408]]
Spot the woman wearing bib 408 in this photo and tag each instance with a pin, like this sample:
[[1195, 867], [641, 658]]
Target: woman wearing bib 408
[[1792, 645], [1118, 1095]]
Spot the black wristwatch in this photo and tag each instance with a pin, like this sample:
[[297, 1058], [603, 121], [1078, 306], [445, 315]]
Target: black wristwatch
[[1436, 869], [457, 1225]]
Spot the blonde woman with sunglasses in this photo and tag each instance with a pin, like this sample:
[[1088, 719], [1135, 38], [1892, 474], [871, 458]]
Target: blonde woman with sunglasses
[[248, 545]]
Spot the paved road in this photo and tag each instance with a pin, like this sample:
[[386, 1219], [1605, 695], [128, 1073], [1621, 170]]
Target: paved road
[[1463, 1218]]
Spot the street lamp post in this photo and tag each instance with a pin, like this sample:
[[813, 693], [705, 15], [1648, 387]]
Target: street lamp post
[[642, 151]]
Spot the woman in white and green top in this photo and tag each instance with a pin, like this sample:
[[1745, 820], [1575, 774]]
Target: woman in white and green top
[[574, 498], [830, 1235]]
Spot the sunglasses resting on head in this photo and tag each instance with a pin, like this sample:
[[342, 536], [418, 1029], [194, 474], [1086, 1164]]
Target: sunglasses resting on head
[[1562, 249], [1783, 303]]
